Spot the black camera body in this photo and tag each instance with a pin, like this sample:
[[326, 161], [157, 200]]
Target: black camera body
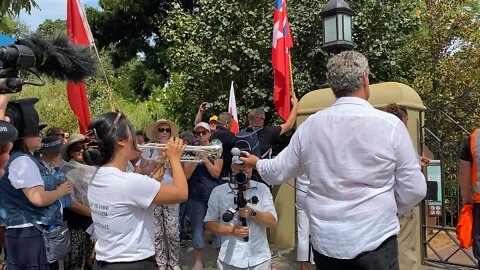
[[239, 200]]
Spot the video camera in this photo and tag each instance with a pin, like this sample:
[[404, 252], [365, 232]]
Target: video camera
[[56, 58], [241, 181]]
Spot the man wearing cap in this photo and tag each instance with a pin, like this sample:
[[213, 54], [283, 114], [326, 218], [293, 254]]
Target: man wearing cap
[[235, 252], [212, 121], [363, 171]]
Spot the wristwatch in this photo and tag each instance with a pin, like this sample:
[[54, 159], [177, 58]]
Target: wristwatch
[[253, 213]]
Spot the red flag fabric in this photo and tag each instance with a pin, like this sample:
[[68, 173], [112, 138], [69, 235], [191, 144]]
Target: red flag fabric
[[79, 33], [232, 109], [282, 41]]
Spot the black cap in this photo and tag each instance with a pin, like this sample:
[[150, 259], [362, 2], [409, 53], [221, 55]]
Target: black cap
[[24, 117]]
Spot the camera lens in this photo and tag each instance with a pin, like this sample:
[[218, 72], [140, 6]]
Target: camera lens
[[240, 178]]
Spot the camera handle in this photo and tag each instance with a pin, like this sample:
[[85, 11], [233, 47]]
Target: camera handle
[[242, 202]]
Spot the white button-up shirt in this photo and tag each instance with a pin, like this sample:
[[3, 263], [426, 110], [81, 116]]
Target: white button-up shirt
[[234, 250], [363, 170]]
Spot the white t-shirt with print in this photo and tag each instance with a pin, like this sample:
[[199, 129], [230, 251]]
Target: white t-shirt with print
[[122, 213]]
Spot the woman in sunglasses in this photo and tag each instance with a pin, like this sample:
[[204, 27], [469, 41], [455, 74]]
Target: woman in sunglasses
[[202, 179], [122, 202], [167, 252], [78, 215]]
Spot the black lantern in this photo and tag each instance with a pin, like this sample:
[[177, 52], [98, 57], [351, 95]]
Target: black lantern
[[337, 26]]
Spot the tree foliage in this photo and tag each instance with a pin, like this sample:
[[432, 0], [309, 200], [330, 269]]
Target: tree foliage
[[227, 41], [131, 27], [52, 28], [445, 55], [13, 7]]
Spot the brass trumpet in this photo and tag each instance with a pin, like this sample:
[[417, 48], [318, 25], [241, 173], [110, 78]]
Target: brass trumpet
[[192, 153]]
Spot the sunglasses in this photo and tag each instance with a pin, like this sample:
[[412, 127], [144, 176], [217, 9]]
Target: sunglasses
[[201, 133], [76, 148], [61, 134], [164, 130]]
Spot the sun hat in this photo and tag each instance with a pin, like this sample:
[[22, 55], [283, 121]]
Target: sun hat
[[74, 138], [150, 130], [50, 144]]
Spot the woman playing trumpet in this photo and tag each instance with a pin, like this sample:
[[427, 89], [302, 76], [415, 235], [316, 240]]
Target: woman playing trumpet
[[122, 203], [165, 216]]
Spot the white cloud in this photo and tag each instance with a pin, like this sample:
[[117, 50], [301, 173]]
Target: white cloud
[[50, 9]]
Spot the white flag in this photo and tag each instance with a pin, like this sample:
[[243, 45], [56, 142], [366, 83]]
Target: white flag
[[232, 109]]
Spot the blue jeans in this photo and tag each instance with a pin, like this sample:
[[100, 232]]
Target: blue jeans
[[182, 212], [196, 212]]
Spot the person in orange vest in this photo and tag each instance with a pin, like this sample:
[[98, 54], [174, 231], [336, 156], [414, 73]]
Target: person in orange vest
[[468, 180]]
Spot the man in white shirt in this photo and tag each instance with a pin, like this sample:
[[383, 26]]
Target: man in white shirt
[[363, 170]]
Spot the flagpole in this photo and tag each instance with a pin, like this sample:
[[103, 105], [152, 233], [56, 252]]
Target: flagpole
[[292, 90], [110, 95]]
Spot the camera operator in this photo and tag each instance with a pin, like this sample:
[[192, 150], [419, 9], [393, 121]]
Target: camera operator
[[236, 252]]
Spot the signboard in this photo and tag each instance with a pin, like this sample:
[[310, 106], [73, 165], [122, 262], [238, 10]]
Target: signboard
[[434, 191]]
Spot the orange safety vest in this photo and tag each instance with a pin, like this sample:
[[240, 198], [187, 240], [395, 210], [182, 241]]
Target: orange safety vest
[[475, 150]]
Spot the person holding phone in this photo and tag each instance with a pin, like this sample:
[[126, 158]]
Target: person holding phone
[[212, 121]]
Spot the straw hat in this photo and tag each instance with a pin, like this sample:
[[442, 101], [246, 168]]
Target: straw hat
[[150, 130], [74, 138]]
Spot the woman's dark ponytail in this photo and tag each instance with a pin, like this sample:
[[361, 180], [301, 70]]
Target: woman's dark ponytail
[[102, 135]]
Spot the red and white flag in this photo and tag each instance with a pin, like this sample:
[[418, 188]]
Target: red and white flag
[[232, 109], [79, 32], [282, 41]]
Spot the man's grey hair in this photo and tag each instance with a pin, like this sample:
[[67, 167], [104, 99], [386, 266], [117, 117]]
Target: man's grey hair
[[344, 72], [255, 114], [224, 118]]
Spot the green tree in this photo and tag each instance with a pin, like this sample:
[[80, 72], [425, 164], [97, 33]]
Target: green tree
[[52, 28], [227, 41], [138, 35], [445, 55], [13, 7]]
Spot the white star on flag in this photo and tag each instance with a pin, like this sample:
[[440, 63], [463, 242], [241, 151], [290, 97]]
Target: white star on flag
[[276, 34]]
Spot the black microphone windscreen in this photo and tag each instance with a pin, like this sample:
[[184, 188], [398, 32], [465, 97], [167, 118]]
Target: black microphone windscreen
[[59, 58], [227, 216]]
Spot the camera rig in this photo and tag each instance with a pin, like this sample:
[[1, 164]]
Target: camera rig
[[240, 201]]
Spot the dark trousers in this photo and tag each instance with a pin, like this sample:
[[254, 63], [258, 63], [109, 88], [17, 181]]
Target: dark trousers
[[182, 212], [476, 232], [385, 257], [147, 264], [26, 250]]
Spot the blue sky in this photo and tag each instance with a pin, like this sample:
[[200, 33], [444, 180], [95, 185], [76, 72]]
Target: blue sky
[[50, 9]]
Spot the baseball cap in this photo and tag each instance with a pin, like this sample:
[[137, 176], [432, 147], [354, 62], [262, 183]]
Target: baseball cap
[[202, 124], [213, 118], [236, 160]]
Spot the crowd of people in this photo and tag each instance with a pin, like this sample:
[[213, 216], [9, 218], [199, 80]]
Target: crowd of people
[[126, 203]]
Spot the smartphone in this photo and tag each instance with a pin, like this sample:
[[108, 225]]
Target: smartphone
[[208, 105]]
